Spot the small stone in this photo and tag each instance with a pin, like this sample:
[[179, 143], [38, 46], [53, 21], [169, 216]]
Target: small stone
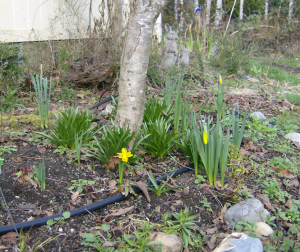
[[72, 230], [259, 115], [248, 210], [60, 230], [293, 137], [244, 77], [263, 229], [17, 197], [171, 242], [239, 242], [148, 205]]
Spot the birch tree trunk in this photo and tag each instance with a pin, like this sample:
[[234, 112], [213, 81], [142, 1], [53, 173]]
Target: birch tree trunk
[[176, 9], [218, 13], [290, 11], [207, 13], [115, 18], [196, 4], [266, 9], [135, 60], [158, 28], [241, 9]]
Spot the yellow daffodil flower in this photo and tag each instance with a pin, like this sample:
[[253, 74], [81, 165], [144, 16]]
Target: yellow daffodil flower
[[205, 137], [125, 155], [220, 79]]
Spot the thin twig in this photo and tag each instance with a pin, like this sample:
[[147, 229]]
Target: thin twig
[[9, 212], [216, 198]]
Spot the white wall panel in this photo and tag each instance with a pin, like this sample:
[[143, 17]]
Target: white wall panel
[[36, 20]]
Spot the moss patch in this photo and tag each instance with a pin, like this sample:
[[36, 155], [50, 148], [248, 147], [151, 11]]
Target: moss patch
[[21, 121]]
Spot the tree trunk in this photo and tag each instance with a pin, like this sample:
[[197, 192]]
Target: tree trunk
[[266, 9], [135, 60], [290, 11], [218, 13], [241, 9], [181, 21], [207, 13], [158, 28], [176, 9], [196, 4], [115, 12]]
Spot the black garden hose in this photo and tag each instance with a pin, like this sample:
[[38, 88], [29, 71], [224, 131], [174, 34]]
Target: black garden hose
[[85, 209]]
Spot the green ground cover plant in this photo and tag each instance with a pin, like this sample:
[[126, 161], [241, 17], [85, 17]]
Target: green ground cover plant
[[161, 139], [69, 125], [113, 140], [159, 188], [182, 225]]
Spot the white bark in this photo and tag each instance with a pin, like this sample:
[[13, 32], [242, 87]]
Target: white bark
[[218, 13], [196, 4], [181, 14], [158, 28], [279, 10], [290, 11], [134, 62], [266, 9], [176, 9], [230, 17], [207, 13], [241, 9]]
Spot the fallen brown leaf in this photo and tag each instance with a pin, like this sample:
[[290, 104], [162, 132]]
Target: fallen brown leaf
[[17, 159], [211, 230], [143, 186], [120, 211], [80, 96], [140, 152], [287, 174], [293, 182], [113, 162], [41, 149], [10, 237], [212, 242], [265, 200], [74, 196], [112, 184], [289, 203], [25, 178]]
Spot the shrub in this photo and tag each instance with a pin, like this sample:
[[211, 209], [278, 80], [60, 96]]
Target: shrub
[[231, 55], [10, 71]]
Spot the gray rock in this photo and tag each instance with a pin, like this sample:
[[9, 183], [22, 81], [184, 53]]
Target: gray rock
[[263, 229], [248, 210], [171, 242], [239, 242], [258, 114], [293, 137], [244, 77]]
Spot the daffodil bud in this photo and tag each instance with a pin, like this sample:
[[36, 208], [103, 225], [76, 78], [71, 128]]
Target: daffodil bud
[[205, 137]]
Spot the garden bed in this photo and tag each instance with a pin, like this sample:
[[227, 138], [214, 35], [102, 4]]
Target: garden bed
[[62, 172]]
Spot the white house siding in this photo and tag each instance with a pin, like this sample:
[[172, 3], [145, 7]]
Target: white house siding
[[42, 20]]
